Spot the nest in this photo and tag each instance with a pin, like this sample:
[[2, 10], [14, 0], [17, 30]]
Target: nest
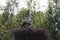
[[33, 34]]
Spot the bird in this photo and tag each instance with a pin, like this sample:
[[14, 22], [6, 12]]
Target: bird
[[28, 23]]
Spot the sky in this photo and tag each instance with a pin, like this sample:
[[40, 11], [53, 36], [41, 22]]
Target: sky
[[22, 3]]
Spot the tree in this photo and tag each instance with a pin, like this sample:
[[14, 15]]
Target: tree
[[53, 19], [39, 20], [7, 20], [21, 16]]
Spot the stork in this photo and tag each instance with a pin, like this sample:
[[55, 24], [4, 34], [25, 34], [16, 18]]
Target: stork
[[28, 23]]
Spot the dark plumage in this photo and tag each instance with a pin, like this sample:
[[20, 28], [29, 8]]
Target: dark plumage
[[28, 33], [28, 22]]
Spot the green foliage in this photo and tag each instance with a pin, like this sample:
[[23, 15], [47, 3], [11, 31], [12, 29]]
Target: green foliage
[[53, 16], [12, 21], [39, 20], [21, 16], [9, 21]]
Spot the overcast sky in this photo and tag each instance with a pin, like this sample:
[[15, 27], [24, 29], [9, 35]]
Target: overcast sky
[[43, 4]]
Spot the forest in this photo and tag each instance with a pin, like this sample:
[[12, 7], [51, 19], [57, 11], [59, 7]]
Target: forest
[[49, 20]]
